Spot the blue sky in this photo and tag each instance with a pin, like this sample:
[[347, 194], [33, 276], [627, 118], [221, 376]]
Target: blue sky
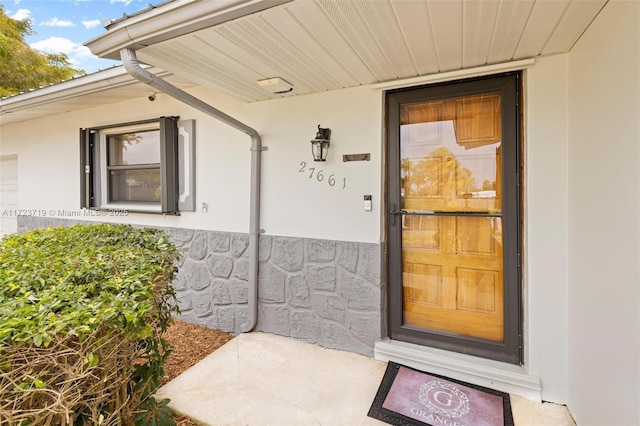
[[61, 26]]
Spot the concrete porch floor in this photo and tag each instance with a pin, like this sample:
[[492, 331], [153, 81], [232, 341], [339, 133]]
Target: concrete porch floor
[[264, 379]]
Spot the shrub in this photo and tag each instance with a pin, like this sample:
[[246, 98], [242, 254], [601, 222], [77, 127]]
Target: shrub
[[82, 312]]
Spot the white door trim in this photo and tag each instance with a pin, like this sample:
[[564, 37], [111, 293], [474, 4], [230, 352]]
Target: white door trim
[[8, 207], [497, 375]]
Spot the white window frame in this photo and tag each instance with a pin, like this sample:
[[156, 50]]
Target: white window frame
[[104, 202], [181, 150]]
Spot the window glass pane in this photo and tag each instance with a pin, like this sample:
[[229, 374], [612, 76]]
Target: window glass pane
[[452, 275], [451, 162], [451, 154], [134, 148], [134, 185]]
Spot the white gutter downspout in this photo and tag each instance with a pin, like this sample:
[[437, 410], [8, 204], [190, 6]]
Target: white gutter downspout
[[131, 64]]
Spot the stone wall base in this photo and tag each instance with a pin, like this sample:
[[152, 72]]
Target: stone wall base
[[320, 291]]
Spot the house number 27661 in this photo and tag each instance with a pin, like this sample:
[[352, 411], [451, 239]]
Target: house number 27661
[[320, 175]]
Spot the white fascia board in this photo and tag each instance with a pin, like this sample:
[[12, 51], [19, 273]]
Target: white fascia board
[[172, 20], [80, 86]]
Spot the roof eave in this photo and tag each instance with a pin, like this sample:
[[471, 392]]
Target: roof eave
[[171, 20], [81, 86]]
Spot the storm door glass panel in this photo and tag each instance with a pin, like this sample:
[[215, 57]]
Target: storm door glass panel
[[452, 260], [134, 167]]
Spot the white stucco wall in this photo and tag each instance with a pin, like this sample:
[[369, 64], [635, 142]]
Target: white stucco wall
[[604, 225], [294, 205], [545, 216]]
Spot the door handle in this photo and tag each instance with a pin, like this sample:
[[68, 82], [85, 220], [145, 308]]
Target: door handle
[[394, 212]]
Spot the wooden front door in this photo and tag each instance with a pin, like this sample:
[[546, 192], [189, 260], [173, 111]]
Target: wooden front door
[[453, 199]]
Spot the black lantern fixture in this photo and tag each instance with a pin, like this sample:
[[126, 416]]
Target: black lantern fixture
[[320, 145]]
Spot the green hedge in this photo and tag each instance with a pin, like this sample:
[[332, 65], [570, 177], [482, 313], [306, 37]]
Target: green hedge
[[93, 297]]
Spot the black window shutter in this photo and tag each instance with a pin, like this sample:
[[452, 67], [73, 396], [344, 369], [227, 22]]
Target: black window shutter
[[86, 168], [169, 164]]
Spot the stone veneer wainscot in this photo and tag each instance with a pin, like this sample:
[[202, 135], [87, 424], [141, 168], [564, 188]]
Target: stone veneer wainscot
[[320, 291]]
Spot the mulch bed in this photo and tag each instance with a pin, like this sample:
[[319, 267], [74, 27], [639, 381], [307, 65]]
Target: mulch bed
[[191, 343]]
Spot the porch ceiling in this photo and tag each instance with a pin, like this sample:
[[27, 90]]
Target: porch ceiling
[[320, 45], [316, 45]]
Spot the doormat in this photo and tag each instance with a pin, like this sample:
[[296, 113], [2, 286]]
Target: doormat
[[410, 397]]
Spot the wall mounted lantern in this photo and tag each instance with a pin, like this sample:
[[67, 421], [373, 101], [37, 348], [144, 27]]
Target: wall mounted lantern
[[320, 145]]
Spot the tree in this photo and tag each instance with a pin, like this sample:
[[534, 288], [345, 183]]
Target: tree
[[439, 174], [22, 67]]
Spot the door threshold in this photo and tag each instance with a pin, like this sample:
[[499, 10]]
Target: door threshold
[[497, 375]]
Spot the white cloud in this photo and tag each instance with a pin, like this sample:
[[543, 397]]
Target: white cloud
[[80, 57], [76, 52], [55, 22], [56, 45], [21, 14], [83, 52], [91, 24], [125, 2]]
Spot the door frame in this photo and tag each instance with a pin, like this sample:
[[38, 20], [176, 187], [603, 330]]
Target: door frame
[[509, 84], [8, 211]]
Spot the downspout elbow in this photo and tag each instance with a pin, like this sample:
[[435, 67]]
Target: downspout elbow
[[133, 67]]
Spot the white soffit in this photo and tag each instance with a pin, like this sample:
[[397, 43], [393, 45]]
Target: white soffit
[[320, 45]]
